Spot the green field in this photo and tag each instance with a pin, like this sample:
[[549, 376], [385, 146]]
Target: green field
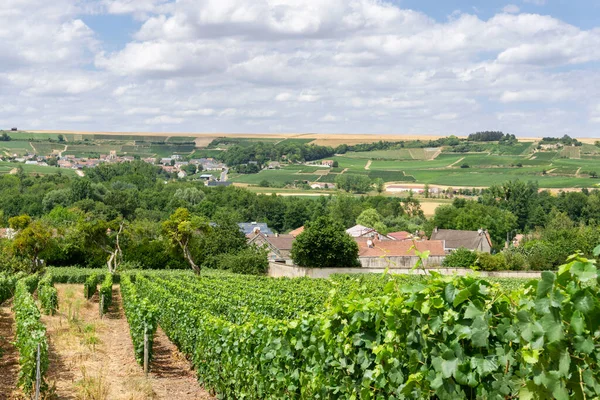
[[6, 167], [276, 176]]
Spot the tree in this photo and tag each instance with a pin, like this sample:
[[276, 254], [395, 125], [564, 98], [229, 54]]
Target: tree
[[31, 241], [61, 138], [105, 238], [181, 228], [20, 222], [371, 219], [426, 190], [325, 244], [379, 185]]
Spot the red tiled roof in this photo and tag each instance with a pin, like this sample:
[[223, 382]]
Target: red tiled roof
[[397, 248], [402, 235], [297, 231]]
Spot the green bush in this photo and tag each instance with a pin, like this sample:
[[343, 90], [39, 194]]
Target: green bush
[[90, 286], [7, 286], [460, 258], [516, 260], [106, 291], [48, 295], [30, 333], [249, 261], [74, 274], [489, 262], [141, 316]]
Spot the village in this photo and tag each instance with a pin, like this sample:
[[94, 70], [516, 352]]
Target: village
[[175, 165]]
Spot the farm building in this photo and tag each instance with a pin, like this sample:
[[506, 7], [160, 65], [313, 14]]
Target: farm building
[[361, 231], [471, 240], [297, 231], [250, 228], [398, 254], [279, 246]]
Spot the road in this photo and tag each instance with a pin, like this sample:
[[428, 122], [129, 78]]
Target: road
[[224, 175]]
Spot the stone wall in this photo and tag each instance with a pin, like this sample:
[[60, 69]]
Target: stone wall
[[398, 262], [278, 270]]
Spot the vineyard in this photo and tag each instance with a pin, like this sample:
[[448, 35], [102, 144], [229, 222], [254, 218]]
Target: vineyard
[[367, 337]]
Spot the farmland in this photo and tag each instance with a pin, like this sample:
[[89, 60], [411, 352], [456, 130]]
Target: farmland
[[243, 342], [566, 167]]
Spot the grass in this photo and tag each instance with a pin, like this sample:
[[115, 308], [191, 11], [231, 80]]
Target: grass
[[92, 386], [206, 153], [6, 167], [391, 176], [545, 155], [276, 176], [571, 152], [296, 141], [19, 135]]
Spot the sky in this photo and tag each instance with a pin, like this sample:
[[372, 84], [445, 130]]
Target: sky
[[528, 67]]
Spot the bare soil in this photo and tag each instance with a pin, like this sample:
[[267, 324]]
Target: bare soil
[[94, 356], [9, 356]]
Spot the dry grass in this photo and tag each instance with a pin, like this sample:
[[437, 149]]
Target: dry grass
[[92, 386]]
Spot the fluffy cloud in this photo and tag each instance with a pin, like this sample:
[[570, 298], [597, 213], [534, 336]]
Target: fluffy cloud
[[263, 65]]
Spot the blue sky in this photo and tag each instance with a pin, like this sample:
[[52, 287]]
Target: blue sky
[[367, 66]]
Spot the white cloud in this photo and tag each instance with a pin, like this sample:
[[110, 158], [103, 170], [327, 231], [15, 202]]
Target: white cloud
[[264, 65], [536, 2], [75, 118], [163, 120], [511, 9], [329, 118]]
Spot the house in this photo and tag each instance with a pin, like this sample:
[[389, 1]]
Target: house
[[176, 157], [7, 233], [181, 174], [250, 228], [361, 231], [471, 240], [321, 185], [165, 161], [297, 231], [274, 165], [402, 235], [328, 163], [279, 246], [206, 177], [373, 253]]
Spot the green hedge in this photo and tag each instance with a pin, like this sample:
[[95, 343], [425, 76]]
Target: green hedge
[[448, 337], [47, 295], [90, 286], [30, 332], [142, 318], [106, 291], [7, 286], [75, 274]]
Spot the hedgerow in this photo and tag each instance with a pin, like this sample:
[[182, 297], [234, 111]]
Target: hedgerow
[[141, 316], [30, 333], [444, 337], [74, 274]]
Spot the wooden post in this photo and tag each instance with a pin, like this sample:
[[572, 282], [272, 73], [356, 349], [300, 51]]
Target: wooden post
[[101, 306], [146, 350], [38, 374]]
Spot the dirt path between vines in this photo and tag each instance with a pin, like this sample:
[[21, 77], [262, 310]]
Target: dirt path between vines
[[9, 356], [93, 355]]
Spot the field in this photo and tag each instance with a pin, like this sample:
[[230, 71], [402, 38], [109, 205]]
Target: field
[[570, 167], [256, 337]]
